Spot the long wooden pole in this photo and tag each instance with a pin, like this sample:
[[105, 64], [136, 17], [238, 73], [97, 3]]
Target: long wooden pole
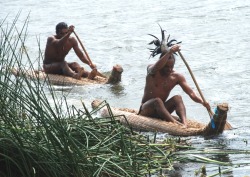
[[98, 73], [227, 126]]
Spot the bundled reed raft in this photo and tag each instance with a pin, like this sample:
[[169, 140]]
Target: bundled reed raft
[[129, 117], [57, 79]]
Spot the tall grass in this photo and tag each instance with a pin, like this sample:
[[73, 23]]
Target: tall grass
[[41, 135]]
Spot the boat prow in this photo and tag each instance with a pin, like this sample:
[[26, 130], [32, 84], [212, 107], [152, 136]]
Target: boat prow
[[129, 117]]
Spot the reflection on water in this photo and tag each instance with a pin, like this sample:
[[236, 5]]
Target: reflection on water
[[213, 149], [67, 89], [117, 89], [189, 169]]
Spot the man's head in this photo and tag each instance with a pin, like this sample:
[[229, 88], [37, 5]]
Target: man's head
[[170, 57], [61, 28], [169, 66]]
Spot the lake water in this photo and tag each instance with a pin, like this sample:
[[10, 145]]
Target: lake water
[[215, 42]]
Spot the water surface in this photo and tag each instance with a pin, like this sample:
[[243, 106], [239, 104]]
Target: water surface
[[215, 42]]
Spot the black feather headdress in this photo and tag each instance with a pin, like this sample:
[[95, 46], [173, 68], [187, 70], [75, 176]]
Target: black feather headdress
[[161, 45]]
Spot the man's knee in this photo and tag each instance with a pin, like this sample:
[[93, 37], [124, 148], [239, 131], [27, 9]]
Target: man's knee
[[74, 65], [178, 98], [158, 102]]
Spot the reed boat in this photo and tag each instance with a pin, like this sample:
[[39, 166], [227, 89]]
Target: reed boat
[[130, 118], [56, 79]]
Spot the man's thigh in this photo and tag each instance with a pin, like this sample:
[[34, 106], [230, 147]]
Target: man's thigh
[[53, 68], [148, 108], [74, 66], [170, 105]]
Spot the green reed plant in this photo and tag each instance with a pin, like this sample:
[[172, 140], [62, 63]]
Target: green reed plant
[[41, 135]]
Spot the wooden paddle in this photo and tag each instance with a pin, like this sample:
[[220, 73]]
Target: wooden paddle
[[98, 73], [211, 114]]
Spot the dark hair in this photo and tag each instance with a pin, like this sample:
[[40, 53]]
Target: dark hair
[[60, 26]]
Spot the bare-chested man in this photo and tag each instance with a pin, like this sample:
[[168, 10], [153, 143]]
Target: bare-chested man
[[57, 47], [160, 80]]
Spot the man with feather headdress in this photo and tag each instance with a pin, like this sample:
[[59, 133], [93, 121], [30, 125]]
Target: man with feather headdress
[[160, 80]]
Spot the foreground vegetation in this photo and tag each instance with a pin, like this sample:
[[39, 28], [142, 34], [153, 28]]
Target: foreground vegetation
[[41, 135]]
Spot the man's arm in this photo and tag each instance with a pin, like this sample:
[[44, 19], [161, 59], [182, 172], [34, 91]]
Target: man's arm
[[79, 53], [188, 90], [59, 43]]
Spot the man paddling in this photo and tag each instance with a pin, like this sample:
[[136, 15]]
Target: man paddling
[[57, 47], [160, 80]]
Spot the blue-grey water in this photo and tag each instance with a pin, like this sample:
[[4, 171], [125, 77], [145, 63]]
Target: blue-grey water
[[215, 42]]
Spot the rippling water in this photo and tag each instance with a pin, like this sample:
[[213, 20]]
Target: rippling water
[[215, 42]]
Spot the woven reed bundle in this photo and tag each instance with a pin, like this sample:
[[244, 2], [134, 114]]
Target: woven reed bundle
[[129, 117], [56, 79]]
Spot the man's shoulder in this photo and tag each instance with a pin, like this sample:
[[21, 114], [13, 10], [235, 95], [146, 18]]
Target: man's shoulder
[[51, 38], [149, 70], [177, 74], [179, 77], [150, 65], [72, 39]]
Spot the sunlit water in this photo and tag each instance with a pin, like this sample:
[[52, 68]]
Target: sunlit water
[[215, 42]]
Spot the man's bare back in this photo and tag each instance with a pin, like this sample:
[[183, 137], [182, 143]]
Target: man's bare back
[[56, 54]]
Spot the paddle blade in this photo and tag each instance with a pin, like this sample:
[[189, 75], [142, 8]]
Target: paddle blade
[[228, 126]]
